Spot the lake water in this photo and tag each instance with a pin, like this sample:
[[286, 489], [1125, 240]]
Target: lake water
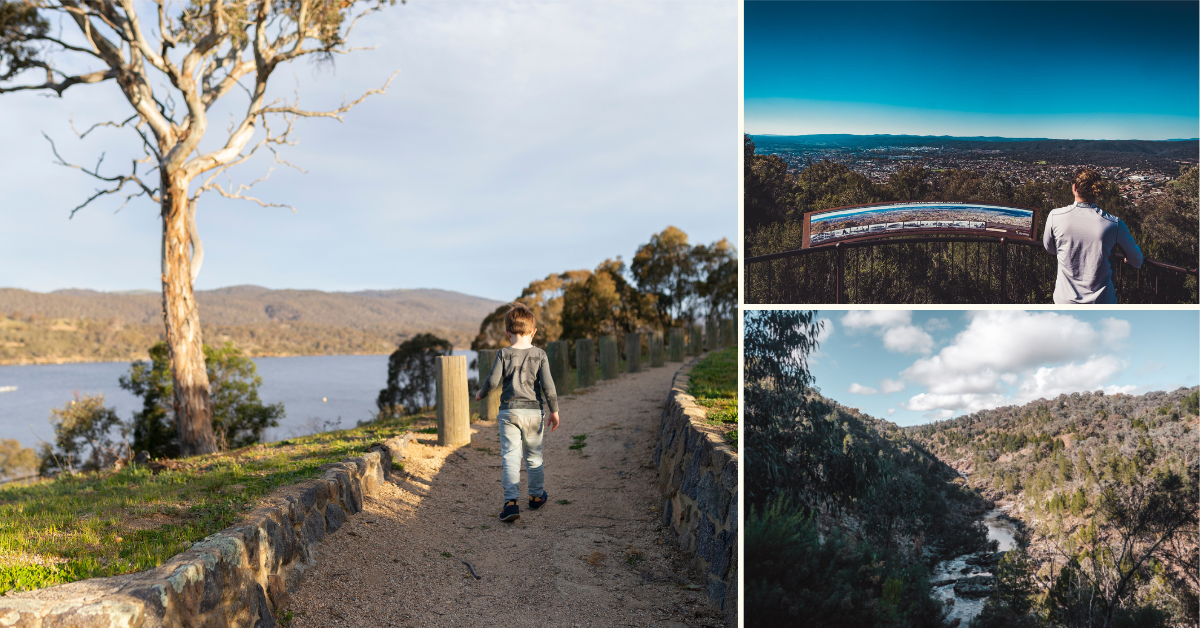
[[318, 392]]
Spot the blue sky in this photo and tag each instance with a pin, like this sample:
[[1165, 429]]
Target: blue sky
[[518, 140], [915, 367], [1071, 70]]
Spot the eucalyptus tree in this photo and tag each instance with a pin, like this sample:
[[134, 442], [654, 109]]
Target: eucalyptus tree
[[173, 63]]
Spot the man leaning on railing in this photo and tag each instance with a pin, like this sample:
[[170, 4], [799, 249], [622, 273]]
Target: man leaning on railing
[[1082, 236]]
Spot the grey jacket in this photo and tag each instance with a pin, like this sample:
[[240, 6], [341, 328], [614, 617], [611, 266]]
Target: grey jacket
[[1082, 236], [525, 374]]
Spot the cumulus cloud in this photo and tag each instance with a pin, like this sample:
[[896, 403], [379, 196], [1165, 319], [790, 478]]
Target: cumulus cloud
[[891, 411], [1042, 354], [893, 326], [1050, 382], [890, 385], [859, 389]]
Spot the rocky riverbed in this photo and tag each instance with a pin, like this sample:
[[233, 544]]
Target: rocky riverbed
[[967, 580]]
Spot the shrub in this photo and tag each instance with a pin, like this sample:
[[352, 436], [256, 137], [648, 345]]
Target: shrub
[[82, 436]]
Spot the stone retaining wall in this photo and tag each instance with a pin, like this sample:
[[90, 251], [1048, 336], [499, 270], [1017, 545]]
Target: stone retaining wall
[[236, 577], [698, 477]]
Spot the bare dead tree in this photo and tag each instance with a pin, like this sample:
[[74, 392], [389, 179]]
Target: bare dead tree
[[204, 49]]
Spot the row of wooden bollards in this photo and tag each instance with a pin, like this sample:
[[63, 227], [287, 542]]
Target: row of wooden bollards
[[453, 399]]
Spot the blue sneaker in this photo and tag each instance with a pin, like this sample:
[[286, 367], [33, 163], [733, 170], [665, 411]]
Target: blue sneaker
[[511, 512], [538, 502]]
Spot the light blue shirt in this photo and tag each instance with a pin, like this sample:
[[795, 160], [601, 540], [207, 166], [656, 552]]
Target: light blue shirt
[[1082, 236]]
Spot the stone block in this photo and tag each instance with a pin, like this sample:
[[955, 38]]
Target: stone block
[[335, 517]]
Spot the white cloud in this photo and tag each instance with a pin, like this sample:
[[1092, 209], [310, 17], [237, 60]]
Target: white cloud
[[1050, 382], [1000, 342], [894, 326], [907, 339], [857, 320], [859, 389], [1042, 354], [826, 330], [890, 385], [891, 411]]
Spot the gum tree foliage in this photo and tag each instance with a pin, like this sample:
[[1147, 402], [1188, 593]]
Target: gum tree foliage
[[798, 578], [15, 460], [412, 369], [83, 440], [173, 63], [238, 414], [687, 281], [781, 416]]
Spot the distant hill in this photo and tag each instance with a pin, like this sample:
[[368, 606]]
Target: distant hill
[[81, 325], [1101, 152]]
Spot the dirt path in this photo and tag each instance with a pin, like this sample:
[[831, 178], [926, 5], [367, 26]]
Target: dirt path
[[604, 559]]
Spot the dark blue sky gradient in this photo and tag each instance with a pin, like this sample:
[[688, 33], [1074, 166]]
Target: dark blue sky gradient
[[1006, 58]]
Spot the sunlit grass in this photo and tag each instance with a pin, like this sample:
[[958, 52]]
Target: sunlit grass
[[110, 523], [714, 384]]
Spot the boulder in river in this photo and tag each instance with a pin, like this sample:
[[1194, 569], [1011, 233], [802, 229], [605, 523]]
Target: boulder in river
[[974, 586], [942, 583]]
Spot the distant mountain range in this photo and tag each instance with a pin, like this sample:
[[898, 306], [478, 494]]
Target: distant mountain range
[[80, 325], [1166, 155], [1152, 147]]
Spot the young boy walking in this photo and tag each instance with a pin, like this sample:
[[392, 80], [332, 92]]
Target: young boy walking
[[524, 371]]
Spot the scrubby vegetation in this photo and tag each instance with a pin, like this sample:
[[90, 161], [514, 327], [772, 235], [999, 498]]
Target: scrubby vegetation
[[1107, 488], [846, 512]]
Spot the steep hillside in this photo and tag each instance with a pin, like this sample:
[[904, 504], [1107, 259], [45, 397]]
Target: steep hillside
[[1106, 486], [84, 325]]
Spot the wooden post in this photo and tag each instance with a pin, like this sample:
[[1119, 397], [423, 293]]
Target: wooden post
[[453, 404], [585, 362], [633, 352], [676, 344], [656, 349], [710, 334], [727, 334], [489, 408], [608, 357], [697, 342], [559, 365]]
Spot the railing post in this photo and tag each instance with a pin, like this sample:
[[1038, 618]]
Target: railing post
[[489, 408], [608, 357], [560, 364], [710, 333], [453, 403], [585, 362], [676, 347], [841, 270], [727, 339], [697, 342], [633, 352], [656, 349], [1004, 270]]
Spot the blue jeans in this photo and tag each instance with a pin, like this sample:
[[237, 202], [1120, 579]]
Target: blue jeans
[[521, 431]]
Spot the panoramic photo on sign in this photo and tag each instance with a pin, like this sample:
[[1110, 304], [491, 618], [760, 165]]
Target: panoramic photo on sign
[[892, 219]]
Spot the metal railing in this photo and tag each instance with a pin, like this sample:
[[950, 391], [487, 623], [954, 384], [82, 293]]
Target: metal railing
[[941, 270]]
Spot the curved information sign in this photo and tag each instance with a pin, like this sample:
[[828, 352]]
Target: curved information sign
[[886, 220]]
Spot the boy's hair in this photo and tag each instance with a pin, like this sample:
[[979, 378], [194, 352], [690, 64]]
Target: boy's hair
[[518, 320], [1088, 184]]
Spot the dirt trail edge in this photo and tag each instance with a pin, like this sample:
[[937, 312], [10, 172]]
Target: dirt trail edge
[[603, 559]]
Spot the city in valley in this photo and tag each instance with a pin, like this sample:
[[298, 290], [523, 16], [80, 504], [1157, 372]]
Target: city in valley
[[1141, 168]]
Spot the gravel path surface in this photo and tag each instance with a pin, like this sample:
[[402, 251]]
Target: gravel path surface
[[604, 559]]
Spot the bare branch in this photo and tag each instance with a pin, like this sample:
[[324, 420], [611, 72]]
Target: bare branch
[[60, 86], [335, 113], [119, 180], [99, 124]]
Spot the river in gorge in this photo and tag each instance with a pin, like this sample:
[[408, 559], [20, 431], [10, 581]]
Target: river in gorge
[[964, 608]]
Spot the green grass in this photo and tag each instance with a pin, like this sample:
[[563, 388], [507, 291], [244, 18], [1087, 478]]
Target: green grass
[[714, 384], [111, 523]]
